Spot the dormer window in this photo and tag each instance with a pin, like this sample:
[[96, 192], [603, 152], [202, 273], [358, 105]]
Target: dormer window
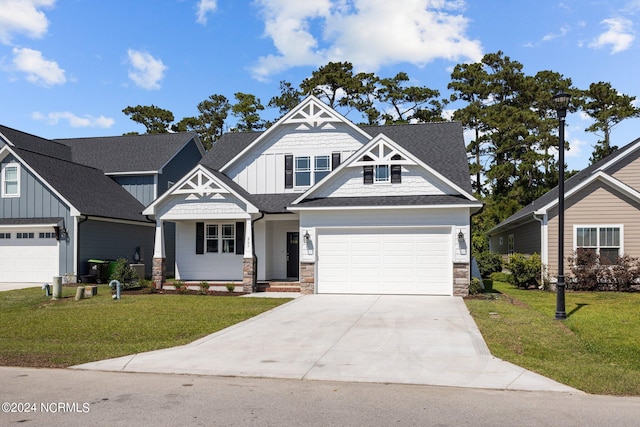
[[381, 174], [11, 180]]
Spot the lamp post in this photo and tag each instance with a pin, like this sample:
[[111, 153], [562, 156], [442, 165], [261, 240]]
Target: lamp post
[[561, 102]]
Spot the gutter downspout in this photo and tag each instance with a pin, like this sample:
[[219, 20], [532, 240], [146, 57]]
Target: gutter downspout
[[254, 279]]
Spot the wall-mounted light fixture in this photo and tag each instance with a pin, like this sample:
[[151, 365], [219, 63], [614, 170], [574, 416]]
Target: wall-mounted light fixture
[[61, 233], [460, 235], [306, 236]]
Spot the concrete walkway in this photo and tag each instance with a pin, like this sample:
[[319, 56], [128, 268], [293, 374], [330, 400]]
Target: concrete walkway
[[361, 338], [11, 286]]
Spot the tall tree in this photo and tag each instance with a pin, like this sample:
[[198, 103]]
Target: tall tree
[[408, 102], [209, 124], [607, 108], [287, 100], [247, 110], [154, 119]]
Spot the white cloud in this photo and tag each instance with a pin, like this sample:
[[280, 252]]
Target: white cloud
[[563, 31], [86, 121], [204, 7], [147, 71], [619, 35], [23, 17], [367, 33], [39, 70]]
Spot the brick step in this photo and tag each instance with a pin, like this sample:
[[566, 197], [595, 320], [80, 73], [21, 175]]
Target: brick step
[[280, 286]]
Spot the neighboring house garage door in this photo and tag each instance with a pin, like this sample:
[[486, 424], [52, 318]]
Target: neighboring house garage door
[[385, 261], [28, 255]]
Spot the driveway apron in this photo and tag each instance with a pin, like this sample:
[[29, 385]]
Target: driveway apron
[[362, 338]]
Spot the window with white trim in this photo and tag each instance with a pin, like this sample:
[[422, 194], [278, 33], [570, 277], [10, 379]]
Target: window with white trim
[[220, 238], [309, 170], [5, 235], [605, 240], [381, 174], [11, 180]]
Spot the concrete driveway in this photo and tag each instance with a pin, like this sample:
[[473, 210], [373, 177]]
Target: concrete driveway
[[362, 338]]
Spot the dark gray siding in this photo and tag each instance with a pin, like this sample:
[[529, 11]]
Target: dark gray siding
[[113, 240], [182, 163], [37, 201], [139, 186]]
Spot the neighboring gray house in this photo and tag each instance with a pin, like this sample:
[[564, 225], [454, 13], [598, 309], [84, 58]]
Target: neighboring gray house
[[328, 206], [65, 201]]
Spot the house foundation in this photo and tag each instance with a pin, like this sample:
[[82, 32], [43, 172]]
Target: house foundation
[[159, 272], [307, 277], [461, 274]]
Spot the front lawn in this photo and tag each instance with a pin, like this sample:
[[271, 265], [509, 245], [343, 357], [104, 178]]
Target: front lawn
[[38, 332], [597, 349]]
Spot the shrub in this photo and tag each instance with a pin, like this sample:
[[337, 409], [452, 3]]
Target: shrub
[[475, 286], [585, 264], [204, 287], [230, 287], [525, 271], [595, 273], [500, 277], [488, 263], [123, 273], [180, 286]]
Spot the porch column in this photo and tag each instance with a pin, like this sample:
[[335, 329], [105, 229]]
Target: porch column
[[159, 269], [248, 261]]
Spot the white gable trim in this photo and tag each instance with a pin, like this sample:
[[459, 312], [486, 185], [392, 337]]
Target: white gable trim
[[310, 112], [601, 176], [6, 140], [622, 156], [205, 183], [378, 144], [4, 151], [342, 208]]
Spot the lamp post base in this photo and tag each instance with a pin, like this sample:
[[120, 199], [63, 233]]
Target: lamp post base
[[560, 305]]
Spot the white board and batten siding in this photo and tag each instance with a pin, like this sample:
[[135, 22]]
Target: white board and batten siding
[[262, 170]]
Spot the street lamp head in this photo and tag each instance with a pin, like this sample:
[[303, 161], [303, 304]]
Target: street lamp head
[[561, 101]]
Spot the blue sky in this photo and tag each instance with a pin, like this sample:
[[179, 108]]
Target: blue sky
[[69, 67]]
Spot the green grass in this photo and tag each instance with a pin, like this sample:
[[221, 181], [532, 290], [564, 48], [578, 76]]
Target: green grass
[[36, 331], [597, 349]]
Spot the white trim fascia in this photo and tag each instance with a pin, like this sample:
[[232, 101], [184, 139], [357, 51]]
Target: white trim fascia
[[120, 221], [600, 175], [205, 216], [150, 210], [9, 226], [619, 157], [353, 159], [286, 117], [341, 208], [6, 140], [131, 173], [72, 210]]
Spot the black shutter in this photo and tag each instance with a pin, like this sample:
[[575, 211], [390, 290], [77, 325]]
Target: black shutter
[[240, 238], [288, 171], [199, 238], [335, 160], [368, 174], [396, 174]]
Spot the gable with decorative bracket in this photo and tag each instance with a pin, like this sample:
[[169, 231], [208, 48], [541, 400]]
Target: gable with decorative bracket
[[313, 115], [199, 185], [381, 152]]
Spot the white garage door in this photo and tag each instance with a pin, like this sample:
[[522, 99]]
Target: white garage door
[[28, 255], [385, 261]]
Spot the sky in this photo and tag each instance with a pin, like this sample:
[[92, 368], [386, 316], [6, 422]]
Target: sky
[[69, 67]]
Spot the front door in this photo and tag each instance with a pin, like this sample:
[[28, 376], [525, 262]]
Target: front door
[[293, 254]]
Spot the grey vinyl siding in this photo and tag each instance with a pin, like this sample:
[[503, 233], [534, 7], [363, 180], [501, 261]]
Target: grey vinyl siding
[[178, 167], [142, 187], [527, 239], [113, 240], [37, 201]]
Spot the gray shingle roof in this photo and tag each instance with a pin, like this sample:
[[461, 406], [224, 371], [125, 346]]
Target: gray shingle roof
[[227, 147], [569, 184], [36, 144], [88, 189], [31, 221], [127, 153]]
